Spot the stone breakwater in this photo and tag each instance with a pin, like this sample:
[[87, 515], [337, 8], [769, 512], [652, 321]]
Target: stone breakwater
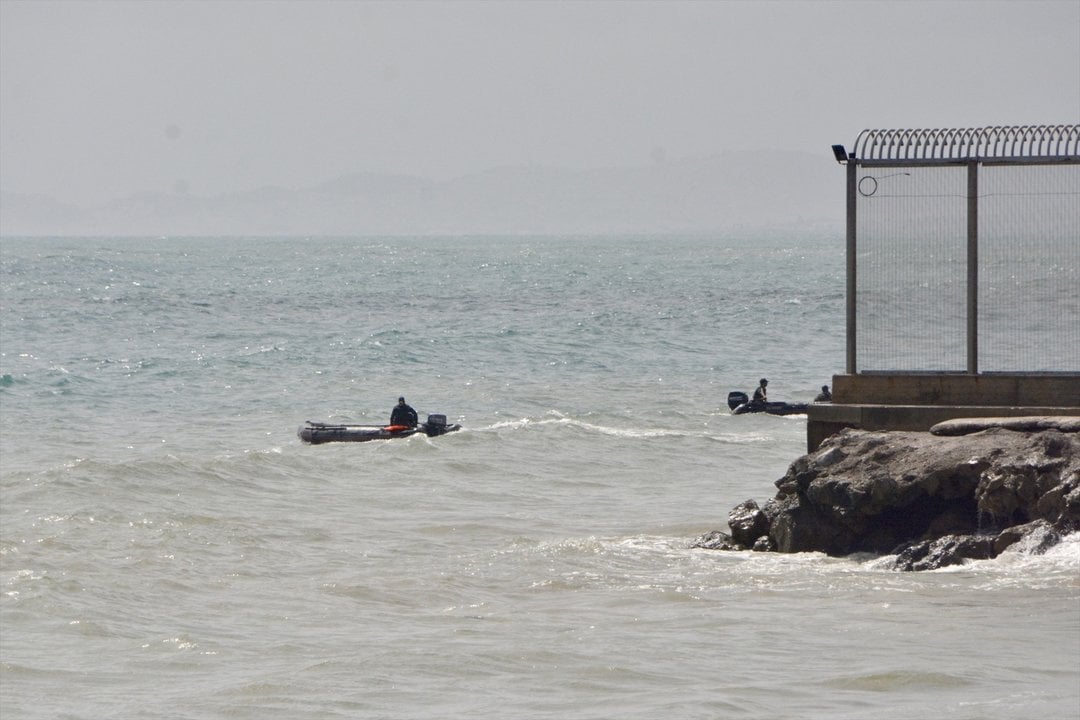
[[927, 499]]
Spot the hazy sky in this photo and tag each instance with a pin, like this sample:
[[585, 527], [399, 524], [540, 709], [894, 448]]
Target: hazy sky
[[100, 100]]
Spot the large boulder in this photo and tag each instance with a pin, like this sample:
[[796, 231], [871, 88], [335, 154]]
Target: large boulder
[[931, 500]]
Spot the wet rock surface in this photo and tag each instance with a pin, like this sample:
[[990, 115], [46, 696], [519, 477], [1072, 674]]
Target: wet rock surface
[[926, 499]]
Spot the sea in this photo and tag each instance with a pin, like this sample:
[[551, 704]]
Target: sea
[[170, 549]]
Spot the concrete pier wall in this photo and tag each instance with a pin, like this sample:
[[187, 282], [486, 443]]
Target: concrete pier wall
[[883, 401]]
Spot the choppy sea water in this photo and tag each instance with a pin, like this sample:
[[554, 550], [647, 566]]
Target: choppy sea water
[[170, 549]]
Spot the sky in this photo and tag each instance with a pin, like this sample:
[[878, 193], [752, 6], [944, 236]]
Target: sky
[[104, 100]]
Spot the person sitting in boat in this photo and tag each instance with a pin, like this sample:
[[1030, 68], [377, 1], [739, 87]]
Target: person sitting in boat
[[824, 395], [402, 414], [760, 394]]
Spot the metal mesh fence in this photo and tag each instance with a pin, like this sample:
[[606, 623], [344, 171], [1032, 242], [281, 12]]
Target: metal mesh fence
[[912, 275], [1029, 268], [911, 280]]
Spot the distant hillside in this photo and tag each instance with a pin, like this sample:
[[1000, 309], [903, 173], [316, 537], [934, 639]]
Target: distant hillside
[[717, 193]]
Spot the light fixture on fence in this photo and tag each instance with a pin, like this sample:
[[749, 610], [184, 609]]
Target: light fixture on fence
[[840, 154]]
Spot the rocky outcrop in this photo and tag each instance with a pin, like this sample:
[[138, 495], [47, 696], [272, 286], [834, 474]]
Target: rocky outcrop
[[928, 500]]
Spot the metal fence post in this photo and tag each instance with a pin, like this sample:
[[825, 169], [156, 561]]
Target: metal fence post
[[852, 195], [973, 267]]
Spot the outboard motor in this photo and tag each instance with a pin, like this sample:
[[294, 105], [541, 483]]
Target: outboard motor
[[435, 425], [735, 398]]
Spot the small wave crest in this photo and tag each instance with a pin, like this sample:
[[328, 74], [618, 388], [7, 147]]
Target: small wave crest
[[637, 433]]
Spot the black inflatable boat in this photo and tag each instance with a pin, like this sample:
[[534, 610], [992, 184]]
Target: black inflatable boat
[[740, 404], [315, 433]]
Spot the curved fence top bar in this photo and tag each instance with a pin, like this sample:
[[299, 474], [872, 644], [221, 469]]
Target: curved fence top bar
[[1017, 142]]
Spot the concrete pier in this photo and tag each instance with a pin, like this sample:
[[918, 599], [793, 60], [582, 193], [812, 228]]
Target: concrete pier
[[917, 401]]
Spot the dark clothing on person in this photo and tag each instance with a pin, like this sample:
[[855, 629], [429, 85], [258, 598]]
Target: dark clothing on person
[[760, 393], [402, 414], [824, 395], [760, 397]]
